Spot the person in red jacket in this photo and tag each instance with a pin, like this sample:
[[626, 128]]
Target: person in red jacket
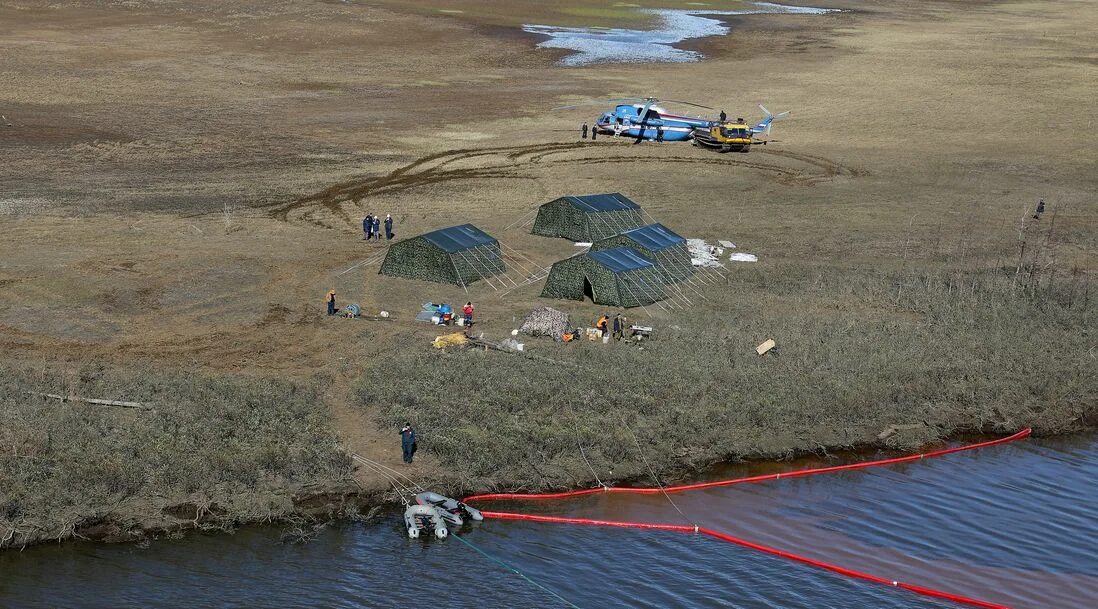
[[467, 312]]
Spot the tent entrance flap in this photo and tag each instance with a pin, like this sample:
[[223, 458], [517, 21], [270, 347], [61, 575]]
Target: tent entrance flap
[[588, 289]]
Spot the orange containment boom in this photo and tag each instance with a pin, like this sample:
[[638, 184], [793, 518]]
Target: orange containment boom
[[678, 528], [717, 483]]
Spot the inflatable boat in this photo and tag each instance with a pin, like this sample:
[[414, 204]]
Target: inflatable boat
[[424, 518], [452, 511]]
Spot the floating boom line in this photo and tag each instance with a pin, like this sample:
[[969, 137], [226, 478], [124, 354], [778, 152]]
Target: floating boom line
[[698, 530]]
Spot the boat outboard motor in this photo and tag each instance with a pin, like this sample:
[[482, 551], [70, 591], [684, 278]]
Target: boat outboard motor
[[418, 517], [451, 509]]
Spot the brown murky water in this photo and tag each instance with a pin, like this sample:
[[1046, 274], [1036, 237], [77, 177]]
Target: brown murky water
[[1013, 524]]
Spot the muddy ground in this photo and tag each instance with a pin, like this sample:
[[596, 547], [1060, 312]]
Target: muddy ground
[[183, 181]]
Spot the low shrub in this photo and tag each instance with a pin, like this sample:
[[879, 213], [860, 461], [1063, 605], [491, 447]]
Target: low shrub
[[226, 441]]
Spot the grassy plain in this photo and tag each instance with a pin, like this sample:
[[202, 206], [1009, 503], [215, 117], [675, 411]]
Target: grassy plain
[[183, 181]]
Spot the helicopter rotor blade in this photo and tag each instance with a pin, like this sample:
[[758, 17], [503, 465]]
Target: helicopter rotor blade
[[598, 102], [644, 114], [679, 101]]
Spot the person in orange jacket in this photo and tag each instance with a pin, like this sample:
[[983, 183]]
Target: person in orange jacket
[[601, 324], [331, 300], [467, 312]]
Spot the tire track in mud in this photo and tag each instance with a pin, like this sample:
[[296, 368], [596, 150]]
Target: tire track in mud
[[513, 161]]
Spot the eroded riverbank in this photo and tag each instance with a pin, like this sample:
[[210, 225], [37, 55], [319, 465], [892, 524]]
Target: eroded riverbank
[[931, 522]]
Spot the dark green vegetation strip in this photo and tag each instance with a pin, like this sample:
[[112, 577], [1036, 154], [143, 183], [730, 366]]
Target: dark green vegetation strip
[[231, 450], [859, 351]]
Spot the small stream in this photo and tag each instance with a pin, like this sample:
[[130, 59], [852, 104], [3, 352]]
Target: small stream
[[620, 45], [1014, 524]]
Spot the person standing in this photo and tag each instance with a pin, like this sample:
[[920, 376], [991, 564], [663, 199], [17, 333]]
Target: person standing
[[619, 331], [408, 442], [584, 131], [724, 116], [331, 300], [367, 227], [467, 313], [594, 133], [1040, 209], [659, 133], [388, 227], [377, 227]]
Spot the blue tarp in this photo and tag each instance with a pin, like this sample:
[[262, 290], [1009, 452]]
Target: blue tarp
[[654, 237], [621, 259], [458, 238], [614, 201]]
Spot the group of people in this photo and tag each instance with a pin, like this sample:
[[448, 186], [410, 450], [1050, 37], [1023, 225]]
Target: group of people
[[615, 326], [371, 227]]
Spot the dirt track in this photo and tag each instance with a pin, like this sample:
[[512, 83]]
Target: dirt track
[[344, 200]]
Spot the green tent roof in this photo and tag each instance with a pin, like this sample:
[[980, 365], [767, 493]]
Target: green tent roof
[[621, 259], [458, 238], [614, 201], [654, 237]]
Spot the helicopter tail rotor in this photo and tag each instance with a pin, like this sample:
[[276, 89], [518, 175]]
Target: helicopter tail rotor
[[768, 122]]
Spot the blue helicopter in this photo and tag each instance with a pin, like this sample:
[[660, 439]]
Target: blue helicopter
[[643, 119]]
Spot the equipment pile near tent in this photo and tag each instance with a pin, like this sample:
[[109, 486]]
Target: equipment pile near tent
[[545, 321]]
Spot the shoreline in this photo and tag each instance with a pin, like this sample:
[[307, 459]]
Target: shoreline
[[344, 503]]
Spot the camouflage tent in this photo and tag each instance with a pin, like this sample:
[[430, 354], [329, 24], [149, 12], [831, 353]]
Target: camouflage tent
[[459, 254], [587, 217], [660, 245], [618, 277]]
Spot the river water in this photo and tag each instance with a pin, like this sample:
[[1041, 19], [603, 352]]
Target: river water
[[590, 45], [1014, 524]]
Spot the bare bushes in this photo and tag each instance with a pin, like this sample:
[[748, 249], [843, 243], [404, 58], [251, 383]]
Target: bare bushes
[[859, 351], [234, 448]]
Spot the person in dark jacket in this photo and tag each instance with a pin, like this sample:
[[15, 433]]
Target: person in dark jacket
[[388, 227], [377, 227], [619, 327], [408, 442], [724, 116], [367, 227], [594, 134], [1040, 209], [659, 133], [584, 131]]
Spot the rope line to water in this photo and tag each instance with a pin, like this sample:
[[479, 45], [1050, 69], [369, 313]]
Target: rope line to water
[[516, 572], [402, 491], [378, 465], [640, 452], [575, 425]]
